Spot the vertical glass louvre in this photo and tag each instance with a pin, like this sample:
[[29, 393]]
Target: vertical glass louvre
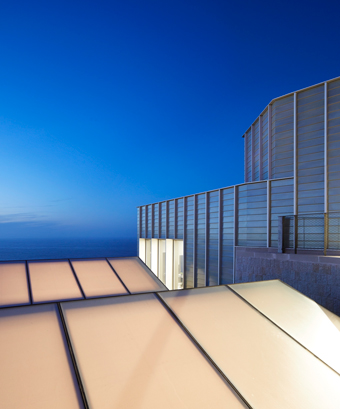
[[143, 222], [227, 235], [163, 220], [189, 243], [213, 218], [155, 233], [252, 215], [264, 163], [200, 241], [283, 137], [171, 221], [149, 217], [180, 219], [310, 143]]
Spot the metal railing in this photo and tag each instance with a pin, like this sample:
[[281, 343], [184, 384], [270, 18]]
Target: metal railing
[[319, 231]]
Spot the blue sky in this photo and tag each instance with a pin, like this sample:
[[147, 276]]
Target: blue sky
[[109, 105]]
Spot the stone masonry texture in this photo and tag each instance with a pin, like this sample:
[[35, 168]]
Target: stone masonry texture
[[316, 277]]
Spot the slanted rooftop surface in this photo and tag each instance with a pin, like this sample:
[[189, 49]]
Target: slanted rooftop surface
[[108, 334]]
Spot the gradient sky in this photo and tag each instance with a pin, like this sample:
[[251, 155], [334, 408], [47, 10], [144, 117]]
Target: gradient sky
[[107, 105]]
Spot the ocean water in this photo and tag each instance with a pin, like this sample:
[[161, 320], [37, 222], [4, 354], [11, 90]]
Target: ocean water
[[33, 249]]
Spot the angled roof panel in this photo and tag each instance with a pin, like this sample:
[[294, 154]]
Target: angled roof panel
[[268, 367], [135, 275], [51, 281], [35, 370], [132, 354], [13, 284], [299, 316], [97, 278]]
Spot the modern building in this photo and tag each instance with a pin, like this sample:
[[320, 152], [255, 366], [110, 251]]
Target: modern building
[[291, 169], [106, 333]]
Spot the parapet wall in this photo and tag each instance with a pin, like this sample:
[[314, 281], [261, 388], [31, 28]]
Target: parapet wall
[[316, 276]]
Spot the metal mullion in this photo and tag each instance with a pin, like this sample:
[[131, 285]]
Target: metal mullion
[[326, 220], [245, 157], [269, 141], [295, 154], [152, 220], [28, 278], [194, 241], [76, 277], [140, 222], [260, 148], [252, 153], [73, 357], [326, 148], [200, 348], [220, 220], [206, 237], [175, 218], [184, 239], [268, 212], [117, 275], [167, 219], [159, 220], [235, 230], [146, 221], [139, 228]]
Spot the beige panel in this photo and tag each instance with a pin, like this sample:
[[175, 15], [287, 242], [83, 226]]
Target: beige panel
[[13, 284], [135, 275], [268, 368], [97, 278], [296, 314], [35, 371], [53, 281], [132, 354]]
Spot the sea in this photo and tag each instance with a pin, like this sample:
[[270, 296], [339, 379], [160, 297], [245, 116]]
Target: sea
[[45, 249]]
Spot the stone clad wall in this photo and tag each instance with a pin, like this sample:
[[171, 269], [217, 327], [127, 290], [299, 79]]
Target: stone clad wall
[[316, 276]]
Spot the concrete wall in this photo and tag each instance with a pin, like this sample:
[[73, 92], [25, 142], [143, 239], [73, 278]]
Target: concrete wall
[[316, 276]]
